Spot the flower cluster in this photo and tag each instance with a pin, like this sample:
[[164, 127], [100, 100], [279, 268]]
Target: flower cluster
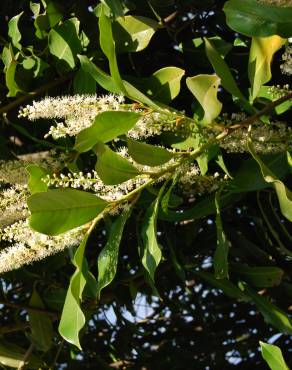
[[28, 246], [286, 67], [77, 111], [13, 205]]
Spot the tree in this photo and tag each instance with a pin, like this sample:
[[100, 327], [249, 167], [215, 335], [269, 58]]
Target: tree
[[145, 211]]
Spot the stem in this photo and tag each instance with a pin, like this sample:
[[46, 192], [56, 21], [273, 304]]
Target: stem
[[22, 364]]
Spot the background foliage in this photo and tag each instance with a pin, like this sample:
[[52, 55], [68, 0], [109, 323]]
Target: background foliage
[[200, 309]]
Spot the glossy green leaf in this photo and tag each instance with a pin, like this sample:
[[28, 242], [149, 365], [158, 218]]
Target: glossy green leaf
[[271, 313], [253, 18], [205, 89], [36, 176], [73, 319], [260, 58], [13, 31], [152, 252], [225, 285], [64, 44], [164, 84], [108, 258], [273, 356], [223, 71], [147, 154], [102, 78], [133, 33], [220, 260], [10, 76], [107, 44], [260, 277], [106, 127], [59, 210], [111, 167], [270, 93], [40, 324], [283, 193]]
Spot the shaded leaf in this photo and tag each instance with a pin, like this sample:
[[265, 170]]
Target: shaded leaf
[[59, 210], [205, 89], [84, 83], [108, 258], [106, 127], [12, 355], [253, 18], [111, 167], [11, 83], [260, 277]]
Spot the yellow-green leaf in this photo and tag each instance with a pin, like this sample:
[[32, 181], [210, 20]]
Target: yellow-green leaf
[[273, 356]]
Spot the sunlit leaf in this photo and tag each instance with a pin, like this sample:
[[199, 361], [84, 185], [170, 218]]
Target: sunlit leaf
[[59, 210], [13, 31], [205, 89], [36, 176], [273, 356]]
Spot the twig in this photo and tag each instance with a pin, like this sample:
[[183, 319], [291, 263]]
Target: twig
[[22, 364], [57, 355], [30, 95], [28, 308]]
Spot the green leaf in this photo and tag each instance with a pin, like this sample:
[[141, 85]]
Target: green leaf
[[147, 154], [270, 93], [221, 254], [111, 167], [102, 78], [225, 285], [11, 84], [35, 181], [106, 127], [205, 89], [283, 193], [115, 6], [64, 44], [59, 210], [252, 18], [40, 324], [260, 277], [107, 44], [260, 58], [273, 356], [152, 252], [223, 71], [13, 31], [133, 33], [84, 83], [271, 313], [108, 258], [73, 319], [12, 355], [163, 85]]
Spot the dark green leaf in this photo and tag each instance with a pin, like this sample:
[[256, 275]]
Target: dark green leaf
[[260, 277], [254, 18], [111, 167], [108, 257], [11, 83], [59, 210], [84, 83], [106, 127], [221, 254], [40, 324], [115, 6], [12, 355]]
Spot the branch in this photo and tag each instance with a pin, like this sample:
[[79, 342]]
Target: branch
[[30, 95], [22, 364], [29, 308]]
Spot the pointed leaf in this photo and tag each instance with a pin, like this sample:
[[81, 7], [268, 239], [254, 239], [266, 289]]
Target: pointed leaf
[[273, 356], [59, 210], [133, 33], [147, 154], [108, 257], [205, 89], [13, 31], [260, 58], [111, 167], [106, 127], [222, 249], [73, 319], [283, 193]]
